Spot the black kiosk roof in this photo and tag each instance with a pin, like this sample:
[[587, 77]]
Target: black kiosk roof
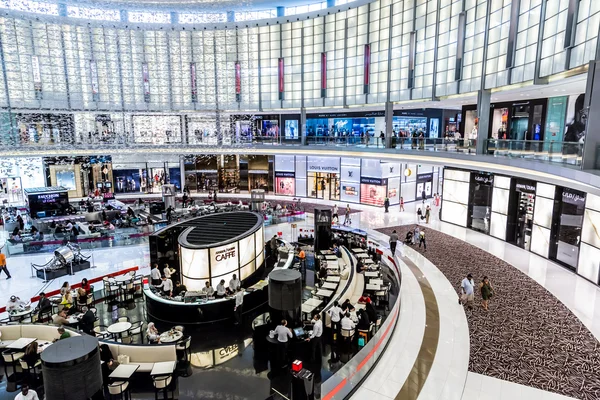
[[218, 229]]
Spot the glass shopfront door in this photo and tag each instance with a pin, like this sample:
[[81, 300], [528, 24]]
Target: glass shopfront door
[[324, 185]]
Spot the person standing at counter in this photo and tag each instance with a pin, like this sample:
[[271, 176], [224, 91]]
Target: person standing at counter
[[167, 286], [283, 333], [239, 304], [155, 275], [335, 313], [179, 288], [208, 290], [221, 290], [273, 244], [315, 337], [168, 271], [234, 284]]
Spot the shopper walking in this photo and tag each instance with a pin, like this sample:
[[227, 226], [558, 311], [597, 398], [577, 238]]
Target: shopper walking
[[467, 292], [386, 203], [486, 292], [427, 214], [423, 196], [347, 215], [401, 203], [422, 239], [334, 215], [393, 242], [3, 264]]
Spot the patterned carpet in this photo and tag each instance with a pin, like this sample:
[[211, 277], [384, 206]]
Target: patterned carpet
[[528, 336]]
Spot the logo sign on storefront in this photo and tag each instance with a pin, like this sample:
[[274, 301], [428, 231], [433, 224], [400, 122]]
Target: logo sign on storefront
[[225, 254], [484, 179], [424, 177], [323, 164], [572, 198], [523, 187], [282, 174], [373, 181]]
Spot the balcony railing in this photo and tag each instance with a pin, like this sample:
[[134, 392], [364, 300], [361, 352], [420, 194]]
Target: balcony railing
[[570, 153]]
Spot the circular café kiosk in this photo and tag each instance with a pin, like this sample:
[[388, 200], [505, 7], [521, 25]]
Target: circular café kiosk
[[208, 249]]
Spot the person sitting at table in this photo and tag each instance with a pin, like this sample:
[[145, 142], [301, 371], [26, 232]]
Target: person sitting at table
[[347, 323], [130, 212], [360, 267], [336, 250], [152, 333], [69, 226], [44, 306], [65, 288], [234, 285], [370, 310], [26, 393], [67, 303], [347, 306], [109, 226], [221, 290], [208, 290], [85, 285], [31, 354], [168, 271], [60, 318], [64, 334], [179, 289], [364, 299], [16, 231], [86, 322], [155, 275], [14, 304], [167, 286], [81, 296], [363, 320]]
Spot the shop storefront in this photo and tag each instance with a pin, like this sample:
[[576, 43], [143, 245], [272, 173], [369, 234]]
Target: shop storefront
[[323, 177], [285, 175], [257, 126], [229, 174], [521, 206], [350, 180], [480, 202], [202, 173], [424, 186], [135, 176], [373, 191], [523, 120], [80, 175], [567, 223], [256, 172], [17, 174], [351, 124], [45, 128], [157, 129]]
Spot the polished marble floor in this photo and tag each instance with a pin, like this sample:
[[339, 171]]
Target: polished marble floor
[[579, 295]]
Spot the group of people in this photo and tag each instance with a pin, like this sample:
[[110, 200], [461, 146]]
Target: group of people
[[416, 236], [467, 292], [345, 316]]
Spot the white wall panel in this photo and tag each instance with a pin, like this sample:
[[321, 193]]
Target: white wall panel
[[500, 200], [457, 192], [540, 240], [590, 231], [545, 190], [589, 262], [454, 213], [542, 214], [498, 226]]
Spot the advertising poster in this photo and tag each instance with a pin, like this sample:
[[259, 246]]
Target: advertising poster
[[555, 119], [434, 128], [66, 179], [238, 81], [37, 77], [323, 74], [576, 119], [193, 82], [94, 76], [146, 81], [291, 129], [280, 77]]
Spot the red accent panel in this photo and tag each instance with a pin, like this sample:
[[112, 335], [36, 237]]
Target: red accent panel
[[238, 78], [281, 80], [367, 63], [323, 70]]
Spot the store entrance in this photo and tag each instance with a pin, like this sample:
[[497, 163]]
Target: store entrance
[[521, 207], [324, 186]]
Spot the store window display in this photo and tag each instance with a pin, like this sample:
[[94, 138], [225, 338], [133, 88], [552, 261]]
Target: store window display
[[373, 191], [521, 209], [480, 202], [285, 184]]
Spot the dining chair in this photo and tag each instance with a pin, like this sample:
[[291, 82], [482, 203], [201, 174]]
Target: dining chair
[[161, 385], [183, 345], [118, 388]]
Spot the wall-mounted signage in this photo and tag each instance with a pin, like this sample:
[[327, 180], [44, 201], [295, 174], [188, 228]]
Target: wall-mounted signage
[[484, 179], [373, 181], [329, 165], [524, 187], [280, 174]]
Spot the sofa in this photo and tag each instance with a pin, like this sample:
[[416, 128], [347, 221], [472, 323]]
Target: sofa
[[142, 355], [47, 333]]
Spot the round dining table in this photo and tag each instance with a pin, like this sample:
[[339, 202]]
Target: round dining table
[[118, 328], [170, 336]]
